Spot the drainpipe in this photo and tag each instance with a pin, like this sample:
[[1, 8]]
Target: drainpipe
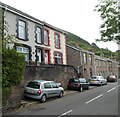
[[81, 58], [78, 69]]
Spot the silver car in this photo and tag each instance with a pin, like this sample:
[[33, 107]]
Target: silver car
[[41, 89], [98, 80]]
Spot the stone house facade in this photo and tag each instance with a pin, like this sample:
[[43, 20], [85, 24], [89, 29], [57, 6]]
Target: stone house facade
[[101, 66], [41, 43], [37, 40], [113, 67], [87, 63], [82, 60], [105, 66]]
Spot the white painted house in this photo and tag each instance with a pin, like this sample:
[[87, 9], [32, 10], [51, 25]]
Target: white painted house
[[39, 41]]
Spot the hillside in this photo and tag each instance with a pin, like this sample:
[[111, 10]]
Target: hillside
[[76, 41]]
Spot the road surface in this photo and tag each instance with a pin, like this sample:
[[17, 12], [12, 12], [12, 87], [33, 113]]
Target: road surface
[[102, 100]]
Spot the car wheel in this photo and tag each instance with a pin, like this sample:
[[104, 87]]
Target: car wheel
[[101, 84], [68, 88], [43, 98], [81, 89], [61, 94], [88, 88], [26, 97]]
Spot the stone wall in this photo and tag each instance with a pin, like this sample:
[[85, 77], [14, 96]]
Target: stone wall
[[57, 73]]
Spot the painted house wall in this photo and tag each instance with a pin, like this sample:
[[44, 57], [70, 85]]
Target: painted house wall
[[71, 59], [52, 45], [12, 18]]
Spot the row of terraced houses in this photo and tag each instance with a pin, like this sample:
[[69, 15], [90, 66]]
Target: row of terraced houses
[[42, 43]]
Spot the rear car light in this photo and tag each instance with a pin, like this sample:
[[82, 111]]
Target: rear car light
[[68, 84], [39, 92], [78, 84]]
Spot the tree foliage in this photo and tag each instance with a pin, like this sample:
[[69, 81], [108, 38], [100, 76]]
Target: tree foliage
[[110, 15], [13, 67], [76, 41], [13, 63]]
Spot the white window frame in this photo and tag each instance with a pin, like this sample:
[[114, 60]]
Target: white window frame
[[22, 29], [57, 41], [85, 57], [39, 54], [46, 37], [38, 35], [90, 58], [46, 57], [58, 57], [24, 51]]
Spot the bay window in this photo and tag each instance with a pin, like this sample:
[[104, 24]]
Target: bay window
[[24, 51]]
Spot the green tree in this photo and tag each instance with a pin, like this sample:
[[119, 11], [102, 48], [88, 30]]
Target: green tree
[[12, 67], [12, 63], [110, 15], [118, 55]]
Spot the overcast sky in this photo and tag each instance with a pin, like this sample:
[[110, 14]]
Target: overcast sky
[[76, 16]]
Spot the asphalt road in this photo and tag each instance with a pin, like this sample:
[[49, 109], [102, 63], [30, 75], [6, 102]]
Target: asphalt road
[[97, 101]]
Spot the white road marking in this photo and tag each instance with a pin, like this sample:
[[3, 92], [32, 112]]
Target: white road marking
[[118, 85], [112, 89], [94, 98], [65, 113]]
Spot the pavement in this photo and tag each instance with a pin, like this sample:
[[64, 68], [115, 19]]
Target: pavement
[[29, 102], [26, 103]]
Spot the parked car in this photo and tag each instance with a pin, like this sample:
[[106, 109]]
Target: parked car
[[78, 84], [112, 78], [41, 89], [98, 80]]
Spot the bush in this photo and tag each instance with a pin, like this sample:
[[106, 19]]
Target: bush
[[13, 64]]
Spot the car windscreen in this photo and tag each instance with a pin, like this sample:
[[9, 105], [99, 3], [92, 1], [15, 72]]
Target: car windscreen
[[82, 80], [34, 85], [112, 77], [76, 80], [94, 77]]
